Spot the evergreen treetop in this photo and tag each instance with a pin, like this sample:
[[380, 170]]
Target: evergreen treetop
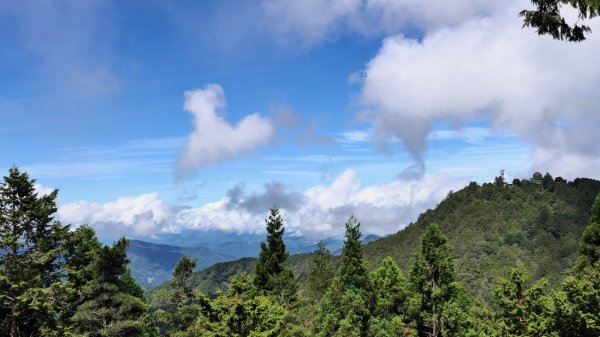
[[272, 277], [30, 264], [353, 267], [272, 253]]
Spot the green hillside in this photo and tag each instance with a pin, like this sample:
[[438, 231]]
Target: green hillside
[[152, 264], [492, 228]]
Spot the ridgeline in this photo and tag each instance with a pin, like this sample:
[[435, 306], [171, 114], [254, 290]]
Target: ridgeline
[[533, 224]]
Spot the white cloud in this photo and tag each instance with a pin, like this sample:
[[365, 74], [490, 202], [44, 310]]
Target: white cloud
[[312, 21], [213, 138], [320, 211], [142, 215], [542, 90], [42, 190]]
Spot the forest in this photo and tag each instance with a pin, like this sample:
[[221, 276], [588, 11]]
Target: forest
[[56, 280]]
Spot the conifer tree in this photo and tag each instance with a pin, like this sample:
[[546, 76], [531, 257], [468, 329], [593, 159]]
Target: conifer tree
[[522, 311], [30, 264], [242, 311], [272, 277], [347, 306], [577, 304], [185, 304], [440, 298], [391, 289], [391, 298], [320, 273], [112, 306]]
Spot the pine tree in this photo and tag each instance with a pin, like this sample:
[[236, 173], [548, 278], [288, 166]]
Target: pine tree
[[391, 289], [242, 311], [440, 299], [82, 248], [522, 311], [112, 306], [320, 273], [30, 265], [185, 304], [272, 277], [347, 306], [391, 298], [577, 312]]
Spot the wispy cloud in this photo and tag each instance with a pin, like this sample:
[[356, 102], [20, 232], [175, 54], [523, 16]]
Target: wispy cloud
[[106, 162]]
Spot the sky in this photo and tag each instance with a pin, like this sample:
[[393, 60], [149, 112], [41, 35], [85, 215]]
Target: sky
[[156, 117]]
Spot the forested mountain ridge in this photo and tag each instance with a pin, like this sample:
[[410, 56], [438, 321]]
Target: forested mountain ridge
[[496, 227], [152, 264], [492, 227]]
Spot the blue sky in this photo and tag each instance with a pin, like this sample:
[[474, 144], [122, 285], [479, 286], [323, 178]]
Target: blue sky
[[93, 102]]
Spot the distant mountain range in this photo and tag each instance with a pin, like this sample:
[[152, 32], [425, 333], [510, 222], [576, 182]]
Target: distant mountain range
[[241, 245], [153, 262]]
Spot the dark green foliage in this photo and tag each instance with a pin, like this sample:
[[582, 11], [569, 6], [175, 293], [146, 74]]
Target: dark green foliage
[[577, 304], [440, 304], [547, 18], [391, 316], [31, 295], [184, 303], [81, 247], [522, 311], [242, 311], [391, 290], [499, 181], [548, 182], [347, 306], [272, 277], [320, 273], [112, 306], [589, 247]]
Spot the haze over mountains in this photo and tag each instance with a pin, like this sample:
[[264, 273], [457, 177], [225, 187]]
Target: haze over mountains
[[153, 262]]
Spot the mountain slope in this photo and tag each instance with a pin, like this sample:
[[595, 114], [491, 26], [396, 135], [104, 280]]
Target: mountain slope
[[495, 228], [151, 264], [492, 229]]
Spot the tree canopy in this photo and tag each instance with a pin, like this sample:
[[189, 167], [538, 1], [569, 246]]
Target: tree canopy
[[548, 18]]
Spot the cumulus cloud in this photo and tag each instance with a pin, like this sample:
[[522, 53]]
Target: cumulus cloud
[[142, 215], [312, 21], [317, 212], [524, 84], [213, 138]]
